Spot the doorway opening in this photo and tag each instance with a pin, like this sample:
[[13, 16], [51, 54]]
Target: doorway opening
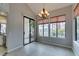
[[28, 30], [3, 34]]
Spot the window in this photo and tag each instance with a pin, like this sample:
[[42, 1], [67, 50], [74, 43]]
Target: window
[[61, 29], [53, 30], [77, 28], [40, 28], [76, 13], [57, 27], [46, 30], [2, 28]]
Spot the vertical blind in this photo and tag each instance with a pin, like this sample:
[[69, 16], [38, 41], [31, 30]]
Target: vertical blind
[[57, 18], [41, 21], [52, 19]]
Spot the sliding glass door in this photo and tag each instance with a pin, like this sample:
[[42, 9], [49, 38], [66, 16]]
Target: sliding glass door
[[29, 30], [26, 30], [32, 30]]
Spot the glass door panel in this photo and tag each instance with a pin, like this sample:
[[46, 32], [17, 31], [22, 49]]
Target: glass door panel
[[26, 30], [32, 30]]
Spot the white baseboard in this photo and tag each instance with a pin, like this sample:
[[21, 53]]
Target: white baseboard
[[14, 49], [62, 45], [56, 44]]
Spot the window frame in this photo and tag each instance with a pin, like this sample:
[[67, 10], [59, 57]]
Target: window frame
[[57, 29], [48, 30], [42, 28], [65, 29], [75, 28], [52, 28]]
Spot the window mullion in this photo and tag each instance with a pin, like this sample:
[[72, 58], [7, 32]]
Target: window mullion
[[43, 30], [76, 29], [52, 28], [49, 29], [57, 30]]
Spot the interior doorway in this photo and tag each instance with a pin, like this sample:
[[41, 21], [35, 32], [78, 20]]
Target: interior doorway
[[3, 34], [28, 30]]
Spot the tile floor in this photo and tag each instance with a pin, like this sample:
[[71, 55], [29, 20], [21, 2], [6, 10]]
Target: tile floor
[[39, 49]]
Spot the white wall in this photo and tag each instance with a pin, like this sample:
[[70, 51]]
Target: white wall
[[4, 7], [15, 25]]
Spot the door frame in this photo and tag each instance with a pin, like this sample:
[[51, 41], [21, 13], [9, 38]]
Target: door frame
[[29, 30]]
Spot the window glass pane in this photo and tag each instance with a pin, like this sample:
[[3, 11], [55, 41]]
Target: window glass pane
[[3, 28], [77, 28], [61, 30], [40, 29], [45, 29], [53, 30]]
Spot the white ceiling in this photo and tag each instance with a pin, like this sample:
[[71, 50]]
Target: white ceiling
[[4, 7], [37, 7]]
